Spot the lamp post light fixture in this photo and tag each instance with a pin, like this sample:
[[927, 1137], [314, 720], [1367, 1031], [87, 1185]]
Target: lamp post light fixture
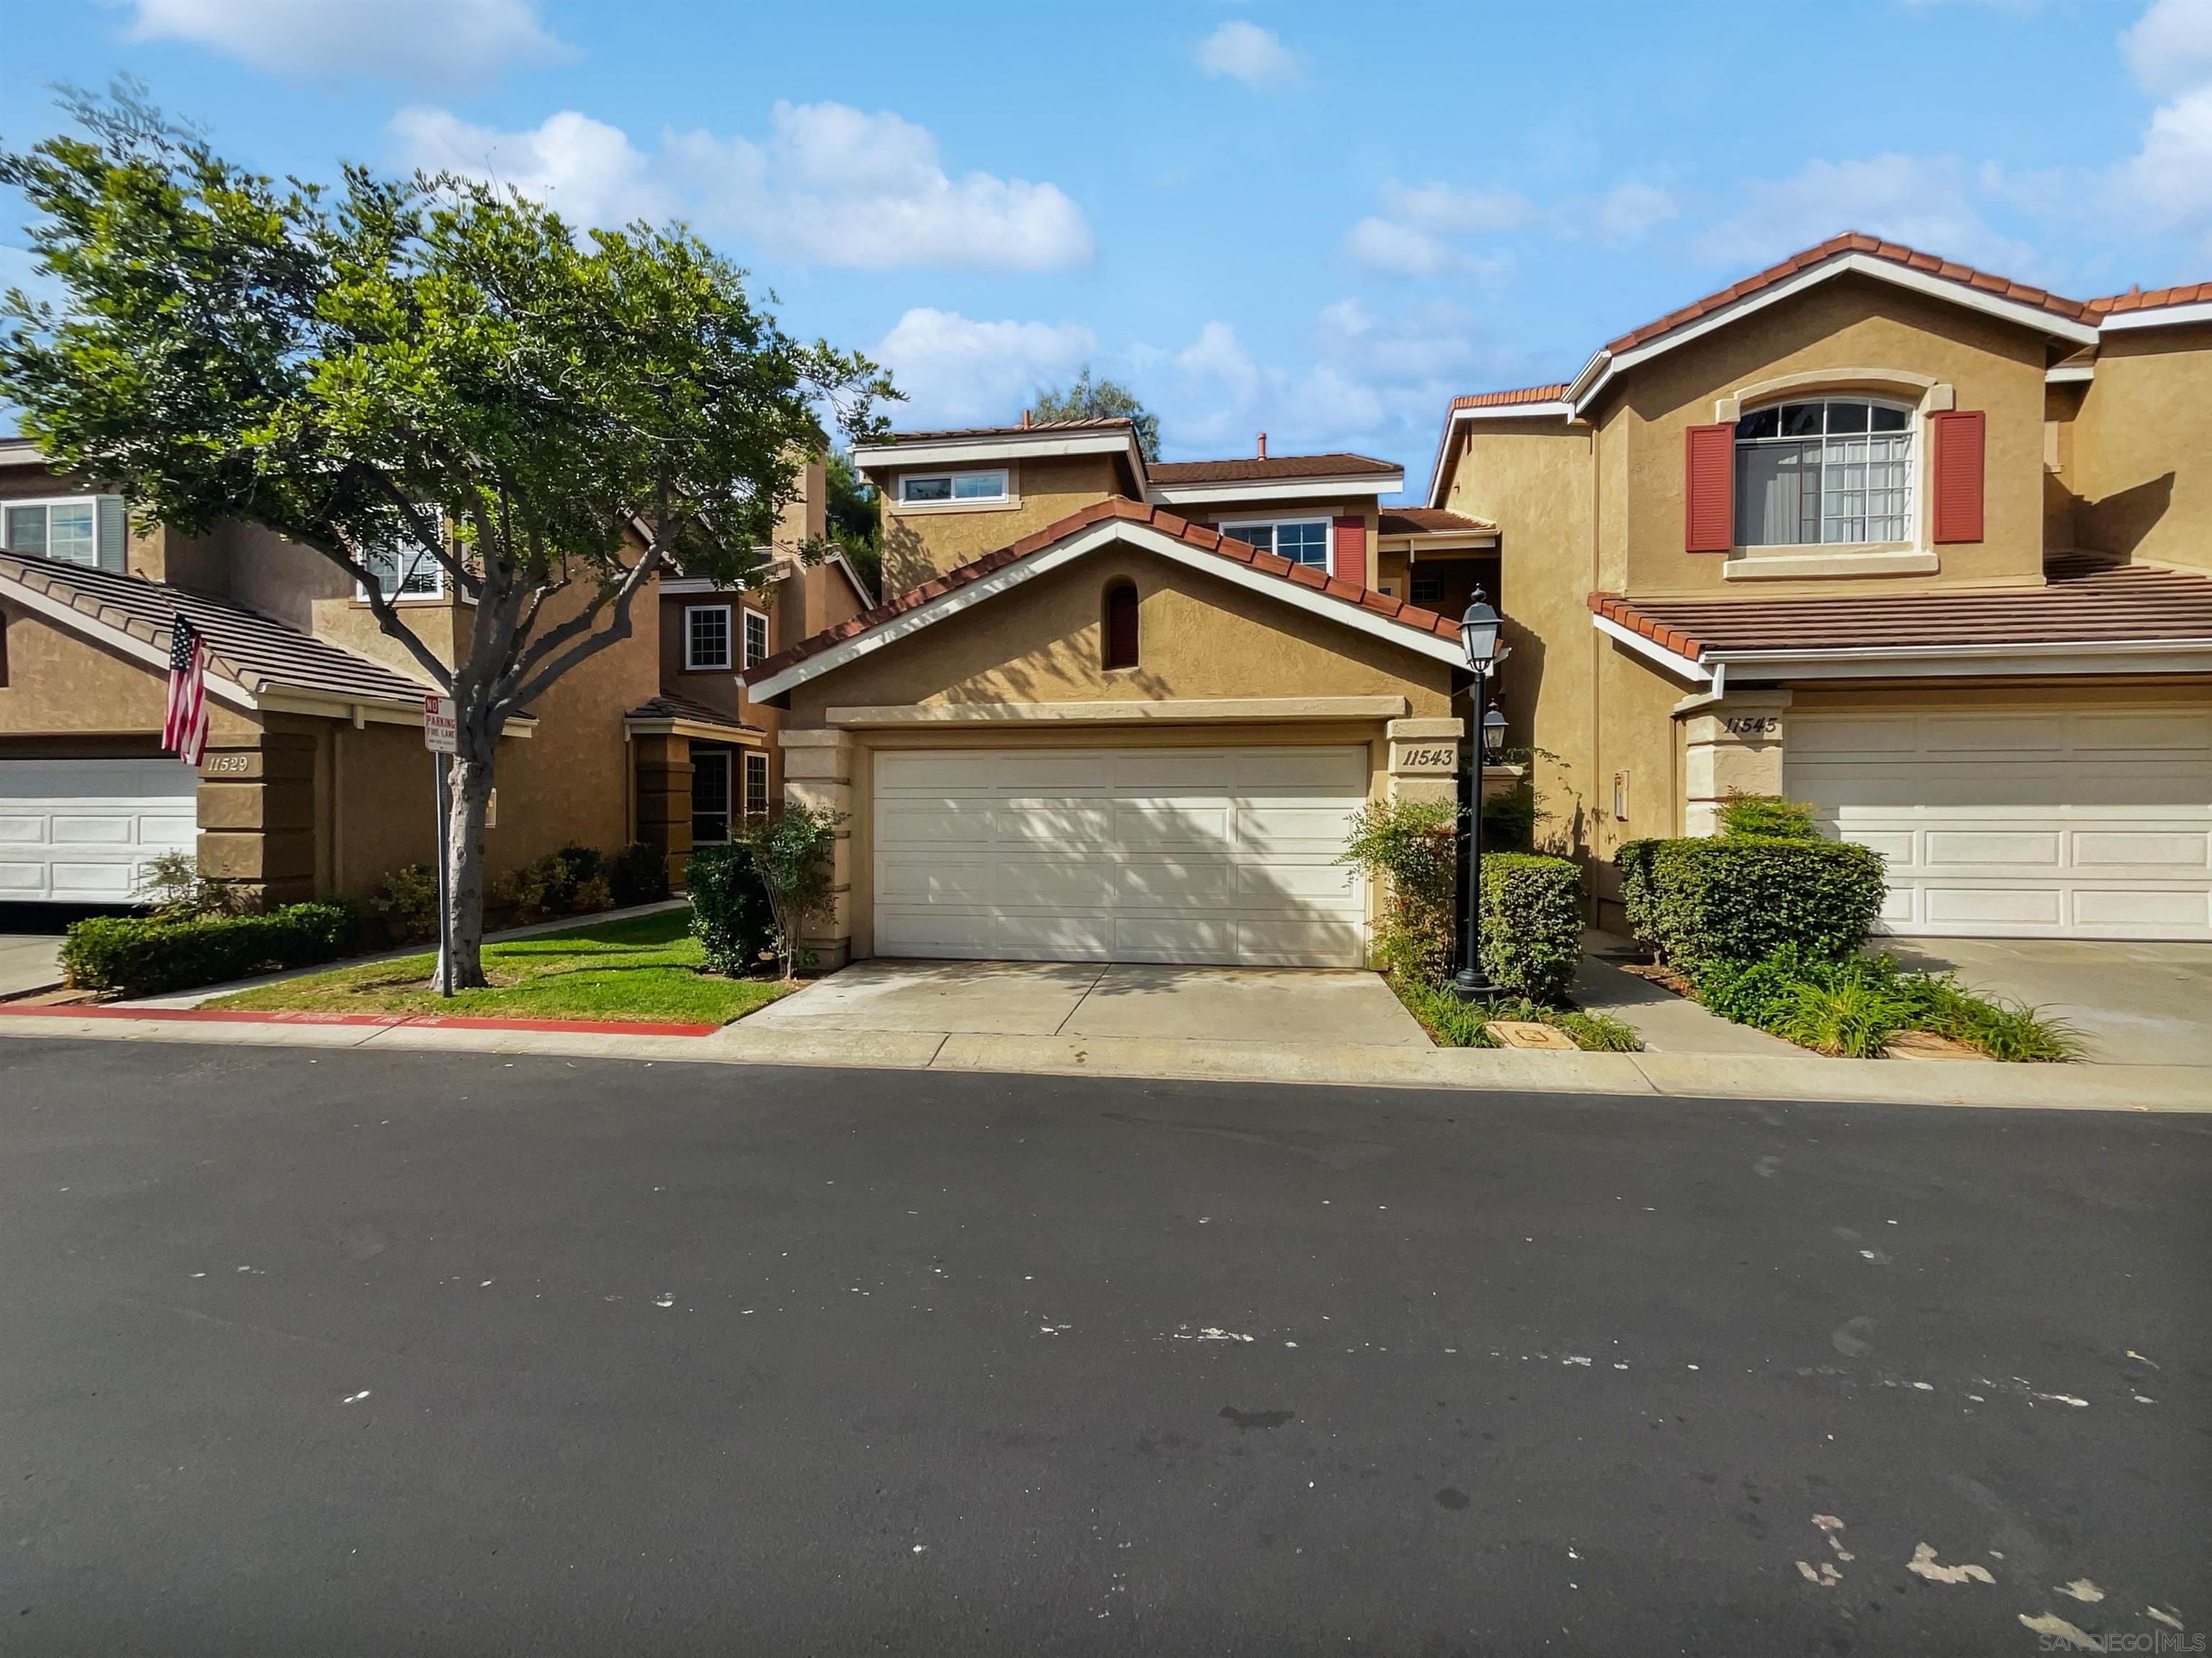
[[1478, 637]]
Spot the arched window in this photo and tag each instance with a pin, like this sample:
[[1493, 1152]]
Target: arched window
[[1120, 624], [1824, 470]]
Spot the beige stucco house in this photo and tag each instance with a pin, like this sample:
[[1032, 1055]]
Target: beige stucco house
[[1930, 549], [316, 782], [1122, 710]]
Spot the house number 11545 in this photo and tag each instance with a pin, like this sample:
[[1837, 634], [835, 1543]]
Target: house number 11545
[[1751, 725]]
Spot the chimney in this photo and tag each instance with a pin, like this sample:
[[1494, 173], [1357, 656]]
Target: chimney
[[1263, 446], [1025, 420]]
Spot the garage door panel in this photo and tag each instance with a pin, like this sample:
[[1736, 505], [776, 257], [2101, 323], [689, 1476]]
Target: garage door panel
[[1168, 855], [2025, 823], [84, 831]]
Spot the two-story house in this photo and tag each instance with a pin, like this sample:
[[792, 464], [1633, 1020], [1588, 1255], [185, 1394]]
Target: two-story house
[[1927, 548], [1123, 709], [315, 781]]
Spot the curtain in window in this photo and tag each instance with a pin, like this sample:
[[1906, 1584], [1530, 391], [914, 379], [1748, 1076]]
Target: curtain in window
[[1777, 494]]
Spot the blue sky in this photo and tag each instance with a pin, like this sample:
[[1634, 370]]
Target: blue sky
[[1318, 221]]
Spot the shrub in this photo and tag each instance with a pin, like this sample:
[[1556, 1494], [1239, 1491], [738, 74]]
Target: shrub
[[1702, 900], [1410, 850], [172, 885], [140, 955], [637, 874], [522, 892], [591, 895], [1766, 818], [1508, 821], [566, 871], [730, 916], [1532, 923], [791, 853], [406, 901]]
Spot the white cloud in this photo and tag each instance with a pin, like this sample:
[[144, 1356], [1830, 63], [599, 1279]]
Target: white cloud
[[1458, 212], [1628, 213], [2169, 47], [1924, 201], [1245, 51], [448, 42], [2172, 176], [1217, 355], [1399, 250], [958, 372], [830, 185], [585, 170]]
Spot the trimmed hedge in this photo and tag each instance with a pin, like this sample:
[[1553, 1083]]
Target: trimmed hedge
[[637, 874], [730, 913], [1737, 900], [144, 956], [1532, 923]]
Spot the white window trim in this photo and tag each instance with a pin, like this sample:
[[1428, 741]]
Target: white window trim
[[1896, 557], [414, 565], [93, 498], [1004, 498], [743, 644], [742, 806], [691, 663], [1327, 566]]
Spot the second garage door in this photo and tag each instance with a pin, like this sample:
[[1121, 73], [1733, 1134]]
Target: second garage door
[[1222, 855], [82, 831], [2083, 823]]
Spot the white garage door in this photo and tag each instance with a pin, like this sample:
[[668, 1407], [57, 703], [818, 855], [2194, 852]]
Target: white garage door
[[1154, 854], [80, 831], [2044, 822]]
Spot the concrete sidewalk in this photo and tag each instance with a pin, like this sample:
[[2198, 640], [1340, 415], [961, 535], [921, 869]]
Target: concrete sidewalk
[[1684, 1075]]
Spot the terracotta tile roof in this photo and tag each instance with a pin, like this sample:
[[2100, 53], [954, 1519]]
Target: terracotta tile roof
[[1550, 393], [1852, 242], [1253, 467], [668, 706], [246, 647], [2136, 299], [1126, 511], [1430, 520], [2086, 600], [1102, 423]]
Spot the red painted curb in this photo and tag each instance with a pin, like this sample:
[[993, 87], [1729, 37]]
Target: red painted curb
[[418, 1020]]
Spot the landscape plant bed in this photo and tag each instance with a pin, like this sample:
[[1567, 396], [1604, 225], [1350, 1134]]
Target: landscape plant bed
[[643, 970], [1451, 1023]]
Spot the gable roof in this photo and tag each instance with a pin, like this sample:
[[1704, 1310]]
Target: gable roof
[[249, 655], [1250, 467], [1123, 519], [2084, 603]]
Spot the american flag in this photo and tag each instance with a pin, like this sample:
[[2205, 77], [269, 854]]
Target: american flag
[[185, 731]]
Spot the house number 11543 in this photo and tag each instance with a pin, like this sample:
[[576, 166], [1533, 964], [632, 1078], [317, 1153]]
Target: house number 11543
[[1432, 757]]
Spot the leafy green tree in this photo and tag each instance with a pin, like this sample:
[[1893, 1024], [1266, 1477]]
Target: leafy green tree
[[791, 853], [855, 518], [1091, 399], [427, 370]]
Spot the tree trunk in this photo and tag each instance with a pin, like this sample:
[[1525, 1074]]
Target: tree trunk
[[468, 783]]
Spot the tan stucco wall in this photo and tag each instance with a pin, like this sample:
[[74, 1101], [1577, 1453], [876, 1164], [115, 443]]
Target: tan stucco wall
[[58, 684], [1849, 323], [2142, 448], [1200, 637], [919, 543]]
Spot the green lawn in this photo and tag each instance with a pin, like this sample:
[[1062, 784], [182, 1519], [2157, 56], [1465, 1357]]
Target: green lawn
[[645, 969]]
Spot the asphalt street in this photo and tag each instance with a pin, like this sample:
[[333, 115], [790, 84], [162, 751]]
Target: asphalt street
[[330, 1352]]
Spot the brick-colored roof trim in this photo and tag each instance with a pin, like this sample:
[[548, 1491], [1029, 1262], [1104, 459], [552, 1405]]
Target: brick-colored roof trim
[[1119, 509], [1430, 520], [2086, 600], [1551, 393], [253, 651], [1098, 423], [2151, 299], [1268, 466]]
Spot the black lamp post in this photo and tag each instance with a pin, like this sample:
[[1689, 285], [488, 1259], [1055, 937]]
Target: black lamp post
[[1478, 637]]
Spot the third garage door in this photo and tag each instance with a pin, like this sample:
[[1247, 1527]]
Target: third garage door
[[1128, 854], [2083, 823]]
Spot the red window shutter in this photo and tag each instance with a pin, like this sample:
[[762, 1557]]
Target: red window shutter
[[1709, 488], [1958, 435], [1352, 550]]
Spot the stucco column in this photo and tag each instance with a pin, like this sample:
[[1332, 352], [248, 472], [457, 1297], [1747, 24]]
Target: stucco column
[[664, 798], [818, 772], [257, 814], [1730, 747], [1424, 758]]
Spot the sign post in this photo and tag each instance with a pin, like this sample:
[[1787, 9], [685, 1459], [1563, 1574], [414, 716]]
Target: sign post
[[441, 737]]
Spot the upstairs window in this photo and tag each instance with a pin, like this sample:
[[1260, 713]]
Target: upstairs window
[[87, 530], [405, 569], [1838, 469], [1301, 540], [755, 637], [705, 636], [943, 489], [1120, 625]]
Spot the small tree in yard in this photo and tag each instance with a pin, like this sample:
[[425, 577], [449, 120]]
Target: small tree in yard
[[1412, 848], [409, 373], [791, 853]]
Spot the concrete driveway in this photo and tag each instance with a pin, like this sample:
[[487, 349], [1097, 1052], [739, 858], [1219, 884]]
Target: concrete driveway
[[1086, 998], [28, 961], [2134, 1003]]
